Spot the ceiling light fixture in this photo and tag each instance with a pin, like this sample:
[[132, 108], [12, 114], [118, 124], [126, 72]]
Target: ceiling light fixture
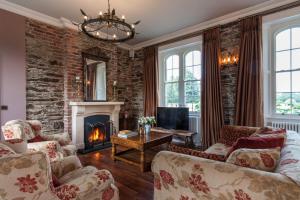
[[107, 26]]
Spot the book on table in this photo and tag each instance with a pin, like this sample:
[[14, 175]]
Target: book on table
[[127, 134]]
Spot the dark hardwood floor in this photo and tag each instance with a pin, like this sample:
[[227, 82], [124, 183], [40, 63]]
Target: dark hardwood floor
[[132, 183]]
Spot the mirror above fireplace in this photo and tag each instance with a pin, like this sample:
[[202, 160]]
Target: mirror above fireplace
[[94, 62]]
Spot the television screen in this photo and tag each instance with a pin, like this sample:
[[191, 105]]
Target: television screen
[[173, 118]]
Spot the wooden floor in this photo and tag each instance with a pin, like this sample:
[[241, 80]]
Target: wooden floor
[[132, 184]]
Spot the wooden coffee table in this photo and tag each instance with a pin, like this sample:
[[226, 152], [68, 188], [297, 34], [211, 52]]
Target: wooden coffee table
[[139, 150]]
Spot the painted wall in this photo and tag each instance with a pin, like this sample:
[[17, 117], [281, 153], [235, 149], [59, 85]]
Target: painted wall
[[12, 66]]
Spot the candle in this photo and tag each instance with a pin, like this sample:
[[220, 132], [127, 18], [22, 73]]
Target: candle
[[115, 83]]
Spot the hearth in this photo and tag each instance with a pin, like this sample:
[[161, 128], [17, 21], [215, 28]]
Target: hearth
[[97, 132]]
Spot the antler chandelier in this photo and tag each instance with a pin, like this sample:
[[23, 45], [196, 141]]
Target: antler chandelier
[[107, 26]]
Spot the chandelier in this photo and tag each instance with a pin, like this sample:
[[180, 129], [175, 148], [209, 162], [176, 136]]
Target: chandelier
[[107, 26]]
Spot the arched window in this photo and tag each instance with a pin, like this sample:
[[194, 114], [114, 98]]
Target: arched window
[[287, 71], [180, 74]]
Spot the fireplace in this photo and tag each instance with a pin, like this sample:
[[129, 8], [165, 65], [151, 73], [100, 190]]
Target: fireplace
[[97, 132]]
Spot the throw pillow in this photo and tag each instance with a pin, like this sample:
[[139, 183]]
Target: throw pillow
[[230, 134], [270, 130], [261, 159], [257, 143]]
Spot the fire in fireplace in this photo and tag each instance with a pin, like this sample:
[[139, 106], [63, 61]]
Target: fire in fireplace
[[97, 132]]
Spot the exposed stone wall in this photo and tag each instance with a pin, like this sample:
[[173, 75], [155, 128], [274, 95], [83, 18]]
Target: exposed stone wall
[[230, 43], [54, 60], [45, 75]]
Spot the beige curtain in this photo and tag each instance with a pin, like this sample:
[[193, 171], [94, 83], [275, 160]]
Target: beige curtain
[[211, 98], [150, 81], [249, 102]]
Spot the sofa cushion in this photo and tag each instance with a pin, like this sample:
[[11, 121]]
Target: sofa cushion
[[261, 159], [218, 149], [258, 143]]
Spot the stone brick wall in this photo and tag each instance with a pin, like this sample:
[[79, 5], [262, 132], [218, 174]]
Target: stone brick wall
[[45, 74], [230, 43], [54, 59]]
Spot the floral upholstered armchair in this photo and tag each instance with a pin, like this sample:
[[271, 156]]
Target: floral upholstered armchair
[[30, 176], [29, 132]]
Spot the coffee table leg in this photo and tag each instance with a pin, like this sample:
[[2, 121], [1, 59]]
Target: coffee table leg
[[142, 161], [113, 152]]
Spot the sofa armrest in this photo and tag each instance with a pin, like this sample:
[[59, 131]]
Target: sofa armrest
[[182, 176], [26, 176], [97, 185], [65, 165], [51, 148]]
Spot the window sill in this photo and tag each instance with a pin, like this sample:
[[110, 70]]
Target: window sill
[[288, 118]]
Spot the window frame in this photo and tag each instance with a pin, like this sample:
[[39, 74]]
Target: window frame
[[180, 50], [274, 31]]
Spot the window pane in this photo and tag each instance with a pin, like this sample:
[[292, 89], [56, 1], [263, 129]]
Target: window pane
[[296, 59], [169, 75], [283, 60], [192, 95], [283, 103], [175, 74], [296, 81], [171, 94], [189, 59], [296, 37], [283, 82], [175, 61], [296, 103], [283, 40], [189, 73], [197, 58], [197, 72], [169, 63]]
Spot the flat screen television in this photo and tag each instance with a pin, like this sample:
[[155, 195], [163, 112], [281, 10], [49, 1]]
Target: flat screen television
[[173, 118]]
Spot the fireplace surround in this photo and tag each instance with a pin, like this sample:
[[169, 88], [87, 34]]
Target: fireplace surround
[[94, 120]]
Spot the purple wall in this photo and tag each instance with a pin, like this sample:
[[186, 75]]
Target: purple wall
[[12, 66]]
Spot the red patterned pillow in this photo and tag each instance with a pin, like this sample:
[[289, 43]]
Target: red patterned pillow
[[230, 134], [270, 130], [261, 159], [258, 143]]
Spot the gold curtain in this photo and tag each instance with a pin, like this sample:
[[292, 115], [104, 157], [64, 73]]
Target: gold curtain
[[212, 118], [249, 98]]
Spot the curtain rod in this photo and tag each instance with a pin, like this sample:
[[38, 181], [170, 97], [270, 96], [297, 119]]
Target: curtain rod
[[200, 32]]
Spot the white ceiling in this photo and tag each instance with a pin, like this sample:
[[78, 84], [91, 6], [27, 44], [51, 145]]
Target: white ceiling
[[158, 17]]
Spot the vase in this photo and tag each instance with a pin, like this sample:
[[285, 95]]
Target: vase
[[147, 129]]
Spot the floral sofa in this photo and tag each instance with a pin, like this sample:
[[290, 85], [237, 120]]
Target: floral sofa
[[29, 176], [29, 133], [207, 175]]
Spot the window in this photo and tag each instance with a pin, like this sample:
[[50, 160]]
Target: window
[[287, 71], [180, 76]]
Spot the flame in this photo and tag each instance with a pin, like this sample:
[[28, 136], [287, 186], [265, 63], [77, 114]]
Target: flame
[[96, 136]]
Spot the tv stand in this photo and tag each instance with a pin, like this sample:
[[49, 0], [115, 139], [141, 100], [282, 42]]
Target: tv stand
[[187, 136]]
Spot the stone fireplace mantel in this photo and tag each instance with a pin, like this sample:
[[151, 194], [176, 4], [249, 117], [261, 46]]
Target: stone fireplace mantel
[[80, 110]]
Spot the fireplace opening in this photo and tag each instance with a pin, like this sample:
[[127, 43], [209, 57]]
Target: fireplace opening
[[97, 132]]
